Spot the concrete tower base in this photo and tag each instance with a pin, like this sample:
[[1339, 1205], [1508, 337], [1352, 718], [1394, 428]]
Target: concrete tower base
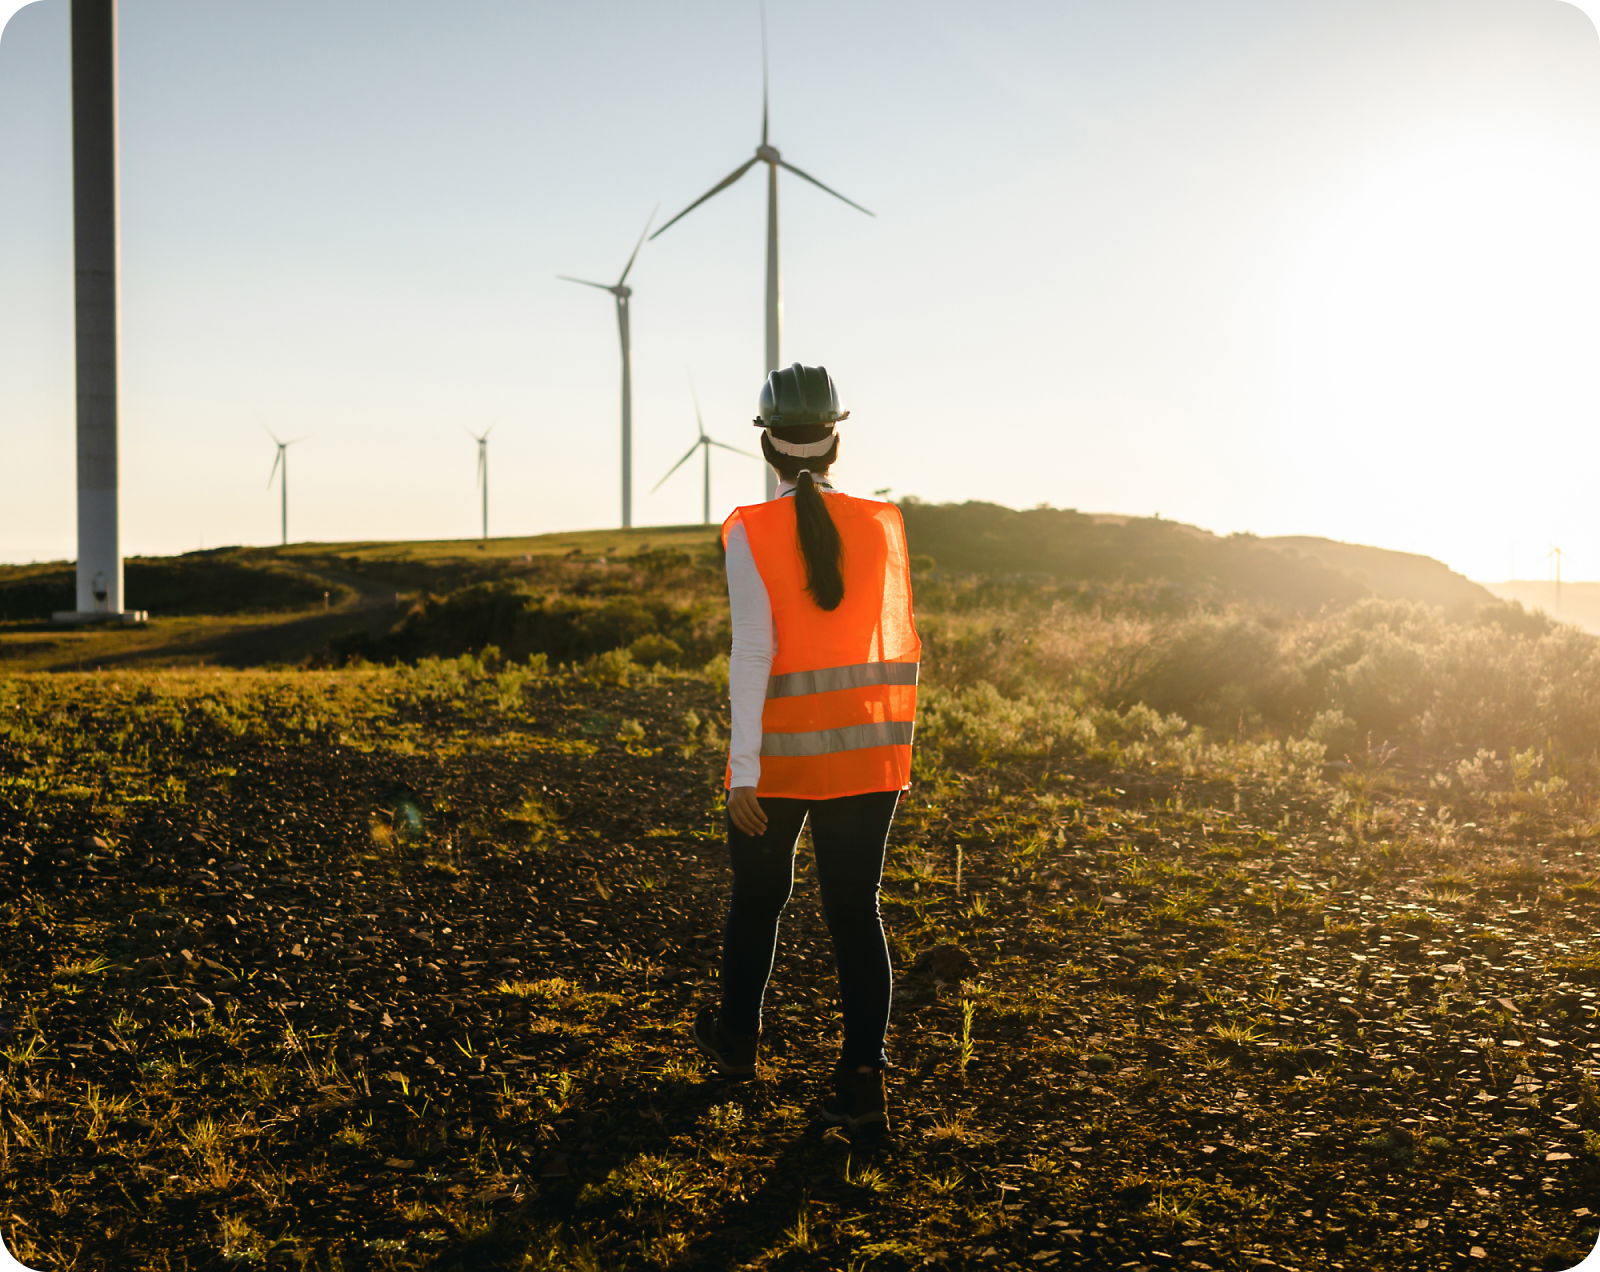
[[126, 618]]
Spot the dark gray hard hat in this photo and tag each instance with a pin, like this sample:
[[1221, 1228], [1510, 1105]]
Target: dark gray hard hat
[[798, 396]]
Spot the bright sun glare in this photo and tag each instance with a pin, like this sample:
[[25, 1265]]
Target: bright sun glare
[[1424, 290]]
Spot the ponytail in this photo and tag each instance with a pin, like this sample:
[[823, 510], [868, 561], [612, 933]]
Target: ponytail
[[819, 538], [819, 544]]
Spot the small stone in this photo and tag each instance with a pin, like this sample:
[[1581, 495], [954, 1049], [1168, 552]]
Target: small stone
[[947, 963]]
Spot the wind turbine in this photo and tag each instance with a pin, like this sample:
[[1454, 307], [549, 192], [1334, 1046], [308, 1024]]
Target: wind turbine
[[767, 154], [1555, 555], [282, 459], [623, 292], [483, 470], [704, 444]]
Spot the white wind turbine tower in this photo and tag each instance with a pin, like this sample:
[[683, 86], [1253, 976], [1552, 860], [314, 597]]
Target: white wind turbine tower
[[1554, 555], [483, 470], [282, 460], [704, 444], [768, 155], [623, 293]]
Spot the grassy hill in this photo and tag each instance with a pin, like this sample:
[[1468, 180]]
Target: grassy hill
[[216, 582], [1388, 575], [577, 594], [1296, 574]]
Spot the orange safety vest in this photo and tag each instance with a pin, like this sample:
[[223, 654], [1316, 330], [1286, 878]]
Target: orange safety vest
[[842, 694]]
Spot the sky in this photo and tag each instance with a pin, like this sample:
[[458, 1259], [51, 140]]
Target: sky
[[1321, 269]]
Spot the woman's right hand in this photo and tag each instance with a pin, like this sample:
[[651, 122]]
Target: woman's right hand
[[744, 810]]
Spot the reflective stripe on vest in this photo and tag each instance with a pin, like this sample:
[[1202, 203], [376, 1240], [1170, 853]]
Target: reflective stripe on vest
[[858, 737], [828, 679], [841, 697]]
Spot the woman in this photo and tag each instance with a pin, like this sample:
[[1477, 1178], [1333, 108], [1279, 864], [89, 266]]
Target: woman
[[823, 689]]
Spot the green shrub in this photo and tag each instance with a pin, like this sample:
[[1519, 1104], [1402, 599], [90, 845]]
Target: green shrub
[[655, 648], [567, 622]]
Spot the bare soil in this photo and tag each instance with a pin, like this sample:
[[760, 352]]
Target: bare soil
[[340, 1006]]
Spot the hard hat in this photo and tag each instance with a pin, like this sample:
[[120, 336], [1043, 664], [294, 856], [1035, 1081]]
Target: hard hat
[[797, 397]]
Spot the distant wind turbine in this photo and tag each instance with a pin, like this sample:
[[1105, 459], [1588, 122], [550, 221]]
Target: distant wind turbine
[[623, 292], [768, 155], [483, 470], [1555, 555], [281, 460], [704, 444]]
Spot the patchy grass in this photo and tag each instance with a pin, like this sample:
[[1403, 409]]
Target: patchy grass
[[375, 968]]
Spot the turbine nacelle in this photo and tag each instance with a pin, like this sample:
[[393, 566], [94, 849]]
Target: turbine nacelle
[[768, 154]]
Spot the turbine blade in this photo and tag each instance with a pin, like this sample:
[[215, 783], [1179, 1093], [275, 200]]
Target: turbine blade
[[784, 163], [275, 460], [585, 282], [763, 74], [716, 189], [711, 441], [675, 467], [638, 245], [271, 434], [700, 423]]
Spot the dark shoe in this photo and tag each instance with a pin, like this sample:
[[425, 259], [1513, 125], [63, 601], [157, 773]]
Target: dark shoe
[[857, 1100], [732, 1055]]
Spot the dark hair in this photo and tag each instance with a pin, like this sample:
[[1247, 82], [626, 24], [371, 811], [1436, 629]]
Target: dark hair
[[819, 538]]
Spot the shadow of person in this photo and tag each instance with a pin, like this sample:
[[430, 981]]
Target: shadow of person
[[820, 1173]]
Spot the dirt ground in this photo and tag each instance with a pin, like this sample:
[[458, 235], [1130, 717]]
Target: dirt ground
[[310, 998]]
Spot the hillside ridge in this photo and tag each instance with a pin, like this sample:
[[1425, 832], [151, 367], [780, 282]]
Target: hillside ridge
[[1295, 572]]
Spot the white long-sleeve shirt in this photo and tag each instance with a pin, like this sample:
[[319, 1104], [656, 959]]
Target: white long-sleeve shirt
[[754, 643]]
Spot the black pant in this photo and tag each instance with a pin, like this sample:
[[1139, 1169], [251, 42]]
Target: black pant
[[849, 834]]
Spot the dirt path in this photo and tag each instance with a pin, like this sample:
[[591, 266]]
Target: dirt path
[[226, 641]]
